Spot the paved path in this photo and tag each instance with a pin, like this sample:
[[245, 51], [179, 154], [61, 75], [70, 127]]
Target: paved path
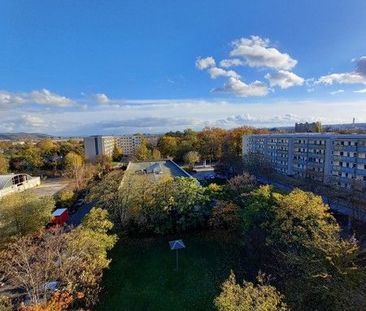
[[50, 186], [78, 217]]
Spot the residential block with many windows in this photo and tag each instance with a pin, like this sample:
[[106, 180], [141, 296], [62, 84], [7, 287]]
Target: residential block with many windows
[[330, 158], [104, 145]]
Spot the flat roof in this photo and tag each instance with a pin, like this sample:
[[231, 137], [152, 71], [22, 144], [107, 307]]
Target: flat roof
[[167, 168], [59, 212]]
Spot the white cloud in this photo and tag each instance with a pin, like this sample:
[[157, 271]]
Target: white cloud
[[226, 63], [33, 122], [41, 97], [257, 52], [354, 77], [240, 88], [217, 72], [342, 78], [284, 79], [101, 98], [361, 65], [360, 91], [204, 63], [336, 92]]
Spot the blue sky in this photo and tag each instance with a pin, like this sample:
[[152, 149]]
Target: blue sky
[[109, 67]]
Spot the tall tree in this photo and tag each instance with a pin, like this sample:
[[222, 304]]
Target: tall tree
[[143, 153], [191, 158], [23, 213], [74, 165], [4, 165]]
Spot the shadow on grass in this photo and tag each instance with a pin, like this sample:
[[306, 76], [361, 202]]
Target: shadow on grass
[[143, 277]]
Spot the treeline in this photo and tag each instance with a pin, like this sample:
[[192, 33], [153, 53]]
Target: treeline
[[210, 144], [46, 157]]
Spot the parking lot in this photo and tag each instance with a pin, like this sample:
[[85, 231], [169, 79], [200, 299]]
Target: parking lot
[[50, 186]]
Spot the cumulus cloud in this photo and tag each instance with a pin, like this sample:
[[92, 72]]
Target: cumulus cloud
[[284, 79], [360, 91], [342, 78], [101, 98], [204, 63], [253, 52], [226, 63], [361, 65], [40, 97], [258, 52], [217, 72], [336, 92], [240, 88], [354, 77]]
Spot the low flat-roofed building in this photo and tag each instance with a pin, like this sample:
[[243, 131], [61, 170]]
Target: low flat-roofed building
[[12, 183], [152, 170]]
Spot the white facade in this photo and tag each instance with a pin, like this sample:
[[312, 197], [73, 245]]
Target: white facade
[[12, 183], [104, 145], [98, 145], [129, 143]]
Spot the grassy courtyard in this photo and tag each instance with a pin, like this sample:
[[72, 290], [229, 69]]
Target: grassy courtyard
[[143, 277]]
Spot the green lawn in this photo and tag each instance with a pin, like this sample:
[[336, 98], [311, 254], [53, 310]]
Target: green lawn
[[143, 277]]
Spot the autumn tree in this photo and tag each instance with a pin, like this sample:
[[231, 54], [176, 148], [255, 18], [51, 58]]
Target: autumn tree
[[225, 215], [74, 165], [250, 297], [211, 142], [156, 155], [168, 146], [23, 213], [103, 164], [238, 188], [143, 152], [4, 165], [117, 153], [191, 158], [312, 257]]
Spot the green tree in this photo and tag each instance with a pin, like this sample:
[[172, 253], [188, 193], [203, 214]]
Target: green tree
[[24, 213], [4, 164], [249, 297], [191, 158], [168, 146], [65, 198], [33, 158], [311, 256]]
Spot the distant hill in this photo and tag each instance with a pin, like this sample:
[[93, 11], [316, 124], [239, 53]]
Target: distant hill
[[23, 136]]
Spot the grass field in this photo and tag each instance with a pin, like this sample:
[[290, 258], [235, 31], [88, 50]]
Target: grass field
[[143, 276]]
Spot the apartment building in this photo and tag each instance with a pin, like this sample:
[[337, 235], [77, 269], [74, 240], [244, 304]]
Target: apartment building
[[129, 143], [98, 145], [326, 157]]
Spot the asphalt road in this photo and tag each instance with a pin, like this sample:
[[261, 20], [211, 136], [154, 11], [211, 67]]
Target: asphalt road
[[77, 218]]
